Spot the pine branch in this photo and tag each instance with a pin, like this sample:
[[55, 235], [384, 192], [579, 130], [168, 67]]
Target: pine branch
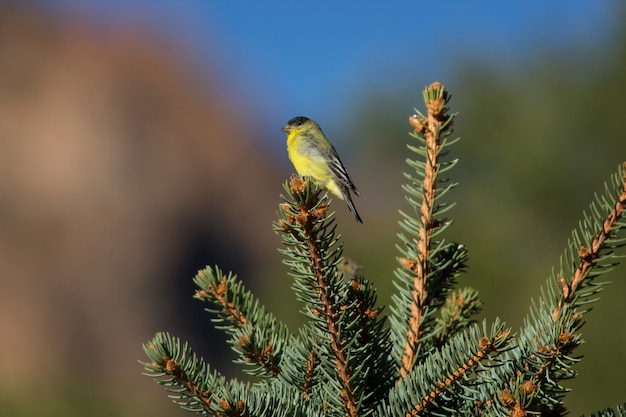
[[447, 378], [194, 387], [304, 227], [257, 336], [423, 279], [347, 337], [604, 240], [192, 384], [456, 314], [552, 332]]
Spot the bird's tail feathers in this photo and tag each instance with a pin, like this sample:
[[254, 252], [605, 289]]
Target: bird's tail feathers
[[351, 207]]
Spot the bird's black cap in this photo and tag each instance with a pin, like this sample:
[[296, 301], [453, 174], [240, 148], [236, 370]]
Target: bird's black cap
[[297, 121]]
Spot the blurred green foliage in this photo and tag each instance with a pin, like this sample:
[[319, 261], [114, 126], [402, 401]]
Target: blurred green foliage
[[539, 139]]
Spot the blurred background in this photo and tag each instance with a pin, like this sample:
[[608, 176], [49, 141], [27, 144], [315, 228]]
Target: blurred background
[[140, 141]]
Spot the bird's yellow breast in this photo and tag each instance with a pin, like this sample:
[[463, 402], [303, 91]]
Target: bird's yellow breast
[[309, 162], [306, 162]]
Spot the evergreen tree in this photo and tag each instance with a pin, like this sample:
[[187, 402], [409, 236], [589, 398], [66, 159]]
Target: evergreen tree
[[427, 356]]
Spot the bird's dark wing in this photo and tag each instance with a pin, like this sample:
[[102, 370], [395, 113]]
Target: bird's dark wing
[[337, 168]]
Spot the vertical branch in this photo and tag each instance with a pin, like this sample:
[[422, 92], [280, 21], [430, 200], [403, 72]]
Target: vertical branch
[[330, 316], [430, 127], [303, 223]]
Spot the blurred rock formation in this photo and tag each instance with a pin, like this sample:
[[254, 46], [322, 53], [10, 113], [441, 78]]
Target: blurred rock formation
[[121, 173]]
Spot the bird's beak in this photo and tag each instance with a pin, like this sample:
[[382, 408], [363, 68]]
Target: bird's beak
[[286, 129]]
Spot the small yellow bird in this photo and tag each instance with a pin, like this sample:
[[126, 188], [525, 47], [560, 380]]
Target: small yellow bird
[[314, 156]]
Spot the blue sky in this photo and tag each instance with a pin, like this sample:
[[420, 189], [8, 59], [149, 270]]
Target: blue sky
[[286, 58]]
